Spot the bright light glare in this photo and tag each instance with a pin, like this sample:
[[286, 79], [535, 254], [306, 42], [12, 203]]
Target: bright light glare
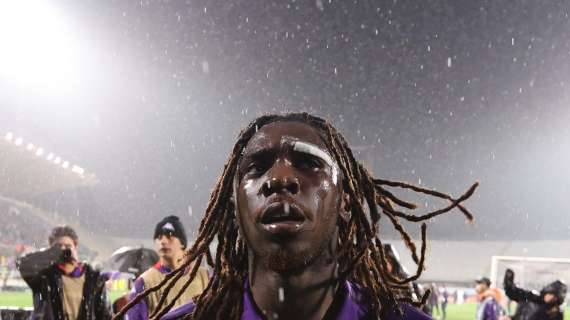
[[36, 47], [39, 152], [19, 141], [9, 136], [78, 170]]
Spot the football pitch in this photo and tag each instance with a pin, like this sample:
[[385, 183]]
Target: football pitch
[[454, 312]]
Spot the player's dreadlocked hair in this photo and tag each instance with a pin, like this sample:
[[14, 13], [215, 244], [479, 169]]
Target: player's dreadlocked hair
[[361, 255]]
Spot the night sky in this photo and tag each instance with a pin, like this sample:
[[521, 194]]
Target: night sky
[[438, 93]]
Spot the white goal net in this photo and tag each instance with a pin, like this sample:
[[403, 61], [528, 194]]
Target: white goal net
[[531, 273]]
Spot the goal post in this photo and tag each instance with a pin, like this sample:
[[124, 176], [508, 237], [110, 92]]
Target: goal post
[[531, 273]]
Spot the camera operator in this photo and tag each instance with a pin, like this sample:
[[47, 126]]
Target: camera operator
[[64, 288], [535, 306]]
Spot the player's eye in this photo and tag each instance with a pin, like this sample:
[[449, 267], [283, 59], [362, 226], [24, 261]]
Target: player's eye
[[256, 168], [305, 161]]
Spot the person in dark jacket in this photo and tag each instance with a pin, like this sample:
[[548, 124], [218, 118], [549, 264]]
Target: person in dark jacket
[[536, 306], [64, 288]]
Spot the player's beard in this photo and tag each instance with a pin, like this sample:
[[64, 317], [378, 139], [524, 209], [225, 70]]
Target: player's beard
[[291, 261]]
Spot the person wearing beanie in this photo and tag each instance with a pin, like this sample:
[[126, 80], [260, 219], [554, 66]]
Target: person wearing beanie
[[170, 243]]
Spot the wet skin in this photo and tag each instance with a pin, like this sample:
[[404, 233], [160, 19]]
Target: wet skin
[[288, 202]]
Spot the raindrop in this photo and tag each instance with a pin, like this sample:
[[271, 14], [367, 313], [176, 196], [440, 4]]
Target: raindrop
[[190, 210], [281, 294], [449, 62], [319, 4], [205, 67]]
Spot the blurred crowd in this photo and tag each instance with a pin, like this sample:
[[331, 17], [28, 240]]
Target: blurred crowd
[[18, 229]]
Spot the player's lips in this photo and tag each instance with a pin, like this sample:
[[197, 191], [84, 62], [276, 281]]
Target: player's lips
[[282, 218]]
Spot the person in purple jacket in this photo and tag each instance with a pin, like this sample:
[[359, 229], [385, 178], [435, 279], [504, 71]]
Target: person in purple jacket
[[296, 221], [488, 308]]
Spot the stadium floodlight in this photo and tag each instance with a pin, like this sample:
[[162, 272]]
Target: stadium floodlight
[[37, 46], [30, 146], [9, 136], [39, 152], [50, 156], [77, 169], [57, 160], [65, 164], [19, 141]]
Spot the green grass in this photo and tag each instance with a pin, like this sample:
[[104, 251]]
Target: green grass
[[24, 299], [461, 311], [16, 299], [467, 312]]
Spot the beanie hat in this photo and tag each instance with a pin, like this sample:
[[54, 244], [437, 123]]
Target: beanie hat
[[171, 226]]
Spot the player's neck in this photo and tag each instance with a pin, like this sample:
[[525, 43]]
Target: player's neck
[[304, 295]]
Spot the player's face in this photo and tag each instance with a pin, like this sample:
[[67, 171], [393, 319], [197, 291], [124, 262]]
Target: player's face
[[287, 195]]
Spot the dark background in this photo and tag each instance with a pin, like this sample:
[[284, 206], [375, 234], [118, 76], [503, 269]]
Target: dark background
[[442, 93]]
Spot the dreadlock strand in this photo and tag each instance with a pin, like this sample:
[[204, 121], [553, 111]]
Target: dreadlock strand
[[156, 314], [385, 193], [403, 234], [430, 192], [148, 291], [455, 203], [420, 268]]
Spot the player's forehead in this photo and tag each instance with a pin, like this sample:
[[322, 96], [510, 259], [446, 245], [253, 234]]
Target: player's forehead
[[273, 135]]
